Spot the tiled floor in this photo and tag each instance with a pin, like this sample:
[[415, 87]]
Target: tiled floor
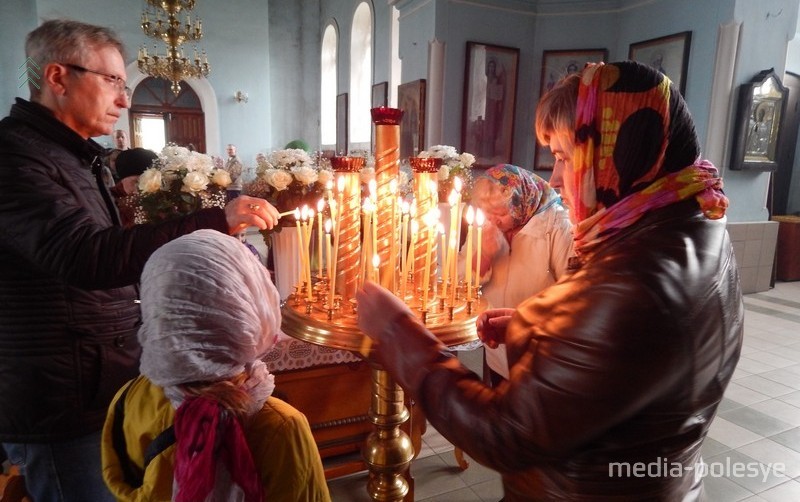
[[757, 424]]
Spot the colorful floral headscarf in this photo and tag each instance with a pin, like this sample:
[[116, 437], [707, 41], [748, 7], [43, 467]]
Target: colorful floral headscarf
[[636, 150], [530, 194]]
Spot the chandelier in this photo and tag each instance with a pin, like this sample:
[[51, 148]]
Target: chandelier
[[161, 20]]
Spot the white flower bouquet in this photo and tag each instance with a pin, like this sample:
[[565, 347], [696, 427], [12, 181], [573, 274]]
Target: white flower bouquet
[[179, 182], [288, 179], [454, 165]]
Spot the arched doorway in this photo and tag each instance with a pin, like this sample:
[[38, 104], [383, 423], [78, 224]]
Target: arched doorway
[[158, 117]]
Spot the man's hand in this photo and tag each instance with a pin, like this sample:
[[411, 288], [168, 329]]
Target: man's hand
[[245, 211]]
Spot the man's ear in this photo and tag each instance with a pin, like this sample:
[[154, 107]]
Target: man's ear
[[55, 76]]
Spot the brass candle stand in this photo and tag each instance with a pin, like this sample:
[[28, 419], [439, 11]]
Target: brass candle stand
[[328, 315]]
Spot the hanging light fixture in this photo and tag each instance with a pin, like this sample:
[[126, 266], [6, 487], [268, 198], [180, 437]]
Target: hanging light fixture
[[161, 20]]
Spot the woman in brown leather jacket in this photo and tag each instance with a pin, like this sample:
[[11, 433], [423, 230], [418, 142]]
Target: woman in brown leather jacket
[[617, 370]]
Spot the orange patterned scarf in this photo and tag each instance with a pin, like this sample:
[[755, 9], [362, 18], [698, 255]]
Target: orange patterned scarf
[[635, 151]]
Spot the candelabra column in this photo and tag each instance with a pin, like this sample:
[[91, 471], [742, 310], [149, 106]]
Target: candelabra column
[[388, 450], [387, 168], [348, 253], [427, 199]]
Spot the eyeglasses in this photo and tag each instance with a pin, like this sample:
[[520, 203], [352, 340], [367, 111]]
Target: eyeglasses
[[117, 82]]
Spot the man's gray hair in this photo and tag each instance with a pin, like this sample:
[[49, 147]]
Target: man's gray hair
[[64, 41]]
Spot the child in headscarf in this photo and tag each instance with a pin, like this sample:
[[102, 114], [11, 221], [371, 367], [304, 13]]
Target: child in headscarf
[[527, 241], [200, 423]]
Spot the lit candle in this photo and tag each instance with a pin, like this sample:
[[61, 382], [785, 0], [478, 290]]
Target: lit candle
[[308, 220], [430, 221], [410, 255], [443, 247], [479, 219], [328, 225], [403, 237], [365, 247], [448, 264], [373, 194], [376, 263], [320, 207], [457, 189], [412, 214], [453, 276], [468, 278], [300, 241]]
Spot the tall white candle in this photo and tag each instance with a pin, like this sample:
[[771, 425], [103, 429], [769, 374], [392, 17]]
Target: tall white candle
[[479, 220], [468, 278]]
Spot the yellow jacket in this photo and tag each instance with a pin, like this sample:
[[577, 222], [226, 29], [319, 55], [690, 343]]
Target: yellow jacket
[[279, 437]]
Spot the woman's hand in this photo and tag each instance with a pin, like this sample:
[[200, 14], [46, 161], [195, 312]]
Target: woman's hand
[[245, 211], [492, 326]]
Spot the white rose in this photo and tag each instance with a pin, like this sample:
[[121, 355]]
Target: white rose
[[194, 182], [278, 178], [199, 162], [305, 174], [444, 172], [467, 159], [443, 151], [150, 181], [175, 151], [324, 176], [221, 177]]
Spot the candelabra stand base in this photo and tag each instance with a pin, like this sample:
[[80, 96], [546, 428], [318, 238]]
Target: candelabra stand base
[[388, 450]]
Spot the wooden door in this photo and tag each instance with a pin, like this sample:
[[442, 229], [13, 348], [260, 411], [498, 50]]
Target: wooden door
[[185, 128]]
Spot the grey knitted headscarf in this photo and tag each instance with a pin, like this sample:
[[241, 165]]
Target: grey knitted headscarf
[[209, 312]]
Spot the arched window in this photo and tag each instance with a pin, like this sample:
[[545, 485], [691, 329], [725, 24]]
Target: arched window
[[329, 62], [361, 76]]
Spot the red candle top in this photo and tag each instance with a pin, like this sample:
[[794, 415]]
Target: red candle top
[[384, 115], [347, 164]]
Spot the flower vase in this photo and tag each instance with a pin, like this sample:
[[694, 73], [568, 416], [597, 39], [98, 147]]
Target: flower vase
[[286, 260]]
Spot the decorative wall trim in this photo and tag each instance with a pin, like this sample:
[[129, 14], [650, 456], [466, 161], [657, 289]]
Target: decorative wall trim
[[721, 95]]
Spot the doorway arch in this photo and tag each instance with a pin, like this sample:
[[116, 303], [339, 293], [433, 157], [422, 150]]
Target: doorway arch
[[208, 100]]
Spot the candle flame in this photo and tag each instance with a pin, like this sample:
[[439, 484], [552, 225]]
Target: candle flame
[[393, 186], [297, 213], [470, 215], [373, 187], [376, 260], [328, 226], [340, 184], [329, 185], [304, 212], [320, 205], [430, 218], [479, 217], [457, 184], [453, 197], [414, 227]]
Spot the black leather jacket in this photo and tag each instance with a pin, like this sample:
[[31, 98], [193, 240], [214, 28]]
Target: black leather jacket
[[68, 316], [622, 363]]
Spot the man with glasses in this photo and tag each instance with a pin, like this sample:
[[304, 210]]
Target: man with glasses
[[68, 270]]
